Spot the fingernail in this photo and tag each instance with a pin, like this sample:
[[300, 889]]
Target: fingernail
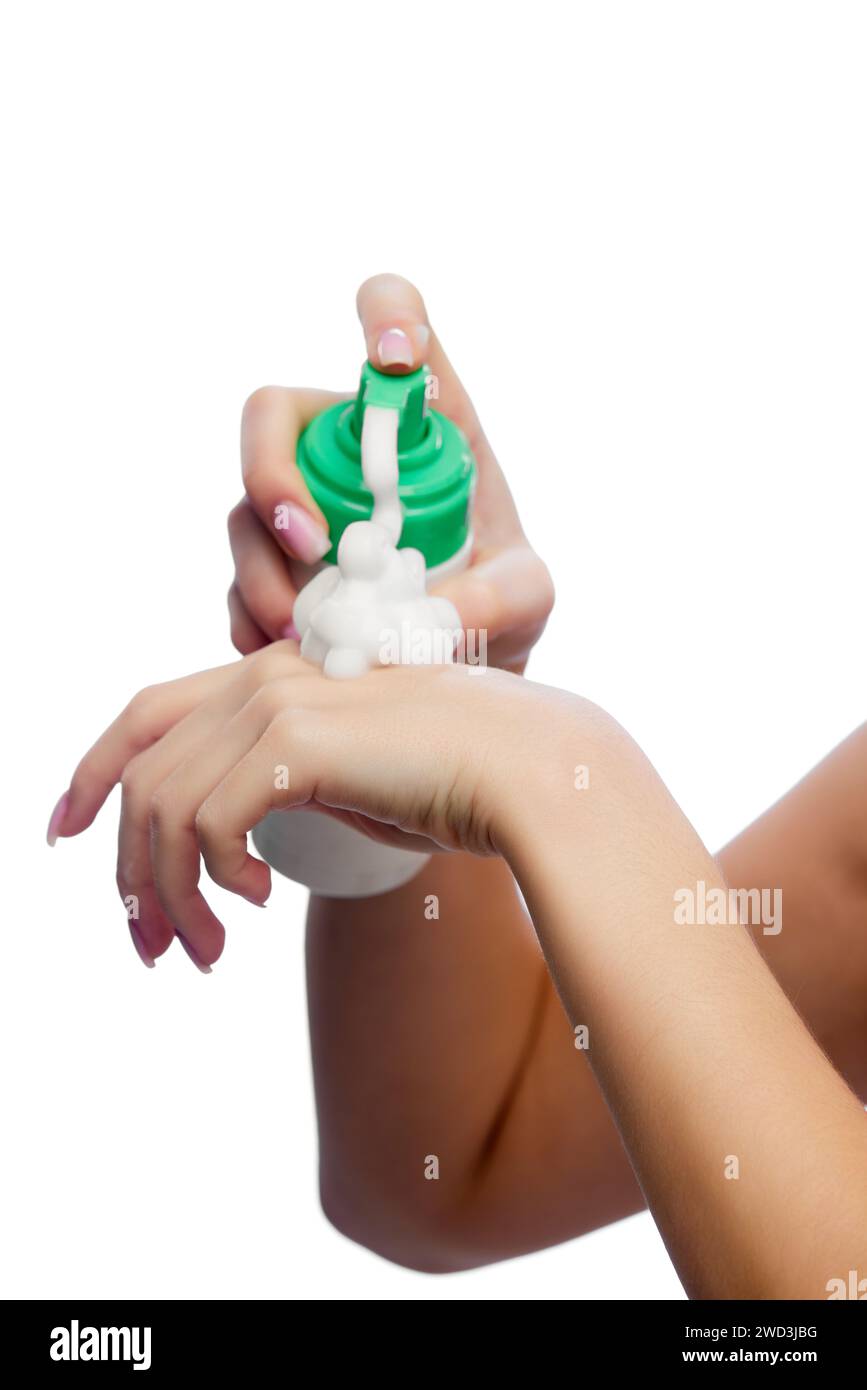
[[56, 821], [394, 349], [291, 631], [302, 534], [200, 965], [144, 954]]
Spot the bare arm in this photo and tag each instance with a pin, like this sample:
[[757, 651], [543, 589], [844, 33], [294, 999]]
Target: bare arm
[[750, 1148], [447, 1035], [748, 1144]]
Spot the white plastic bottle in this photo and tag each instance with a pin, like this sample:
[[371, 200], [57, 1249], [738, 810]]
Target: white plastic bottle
[[389, 460]]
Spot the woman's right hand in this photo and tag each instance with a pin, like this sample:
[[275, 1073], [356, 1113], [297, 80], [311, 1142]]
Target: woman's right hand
[[506, 591], [418, 757]]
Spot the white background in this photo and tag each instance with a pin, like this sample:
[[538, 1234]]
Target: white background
[[641, 232]]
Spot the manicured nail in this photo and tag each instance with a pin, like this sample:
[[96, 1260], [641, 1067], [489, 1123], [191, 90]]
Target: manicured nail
[[56, 821], [304, 536], [200, 965], [291, 631], [144, 954], [394, 349]]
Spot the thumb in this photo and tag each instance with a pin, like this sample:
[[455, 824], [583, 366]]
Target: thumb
[[508, 590]]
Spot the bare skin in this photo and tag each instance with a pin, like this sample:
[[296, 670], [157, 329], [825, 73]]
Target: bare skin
[[471, 1056], [539, 1157], [700, 1057], [449, 1034], [529, 1092]]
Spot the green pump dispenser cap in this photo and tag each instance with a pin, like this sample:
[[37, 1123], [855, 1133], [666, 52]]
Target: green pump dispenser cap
[[437, 470]]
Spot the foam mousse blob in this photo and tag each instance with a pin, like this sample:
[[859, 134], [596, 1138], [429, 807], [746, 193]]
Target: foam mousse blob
[[371, 608]]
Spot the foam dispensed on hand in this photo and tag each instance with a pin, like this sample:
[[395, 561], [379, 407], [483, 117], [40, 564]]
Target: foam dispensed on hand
[[372, 609]]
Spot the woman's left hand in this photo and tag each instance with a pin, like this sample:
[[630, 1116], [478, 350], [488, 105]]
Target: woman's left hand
[[505, 593]]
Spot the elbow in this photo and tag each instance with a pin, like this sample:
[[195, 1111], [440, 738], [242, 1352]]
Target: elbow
[[398, 1231]]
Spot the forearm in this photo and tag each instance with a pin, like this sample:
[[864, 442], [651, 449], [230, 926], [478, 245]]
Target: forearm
[[701, 1058], [441, 1031]]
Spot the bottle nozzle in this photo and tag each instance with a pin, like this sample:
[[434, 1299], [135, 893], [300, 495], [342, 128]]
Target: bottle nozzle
[[406, 394]]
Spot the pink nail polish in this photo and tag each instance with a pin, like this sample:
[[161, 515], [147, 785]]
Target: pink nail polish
[[57, 816], [137, 940], [200, 965], [304, 536], [394, 349], [291, 631]]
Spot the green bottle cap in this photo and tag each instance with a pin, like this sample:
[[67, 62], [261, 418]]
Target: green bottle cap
[[437, 469]]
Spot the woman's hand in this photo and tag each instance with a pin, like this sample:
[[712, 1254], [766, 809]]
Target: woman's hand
[[506, 590], [423, 757]]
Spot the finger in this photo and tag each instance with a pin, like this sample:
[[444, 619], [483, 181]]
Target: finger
[[273, 418], [173, 816], [246, 635], [145, 719], [399, 337], [141, 780], [388, 304], [157, 843], [151, 931], [262, 575], [134, 876], [247, 793], [509, 590], [198, 735], [395, 323], [317, 752]]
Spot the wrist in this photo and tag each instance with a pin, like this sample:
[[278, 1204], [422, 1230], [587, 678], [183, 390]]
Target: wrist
[[567, 760], [585, 809]]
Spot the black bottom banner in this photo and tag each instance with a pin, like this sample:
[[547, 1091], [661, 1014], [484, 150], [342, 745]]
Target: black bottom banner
[[163, 1339]]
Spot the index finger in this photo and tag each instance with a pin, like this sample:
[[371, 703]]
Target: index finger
[[148, 716], [400, 338]]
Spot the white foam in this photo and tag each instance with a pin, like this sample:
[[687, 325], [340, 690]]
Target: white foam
[[380, 467], [371, 608]]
